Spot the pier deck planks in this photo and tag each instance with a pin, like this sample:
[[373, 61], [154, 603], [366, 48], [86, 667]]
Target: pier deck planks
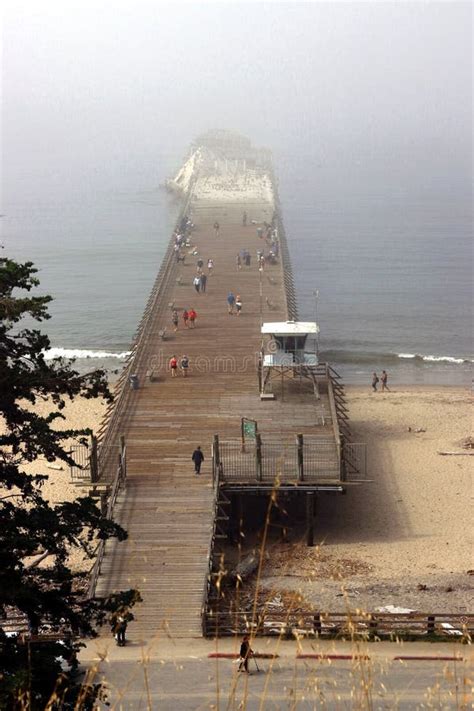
[[166, 509]]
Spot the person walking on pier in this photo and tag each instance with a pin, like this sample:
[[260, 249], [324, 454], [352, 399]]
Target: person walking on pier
[[173, 366], [197, 283], [239, 262], [238, 304], [185, 317], [230, 302], [184, 365], [375, 380], [192, 318], [216, 228], [200, 263], [383, 380], [210, 266], [244, 219], [119, 622], [198, 458], [175, 319], [203, 278]]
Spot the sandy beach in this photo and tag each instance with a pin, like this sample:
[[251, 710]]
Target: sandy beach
[[405, 529], [81, 413], [404, 538]]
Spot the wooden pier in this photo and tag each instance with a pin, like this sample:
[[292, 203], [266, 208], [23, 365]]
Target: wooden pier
[[167, 510]]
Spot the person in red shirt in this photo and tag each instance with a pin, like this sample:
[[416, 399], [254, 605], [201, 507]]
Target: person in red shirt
[[192, 317], [173, 366], [185, 317]]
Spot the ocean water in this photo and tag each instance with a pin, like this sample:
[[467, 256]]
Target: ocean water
[[386, 245]]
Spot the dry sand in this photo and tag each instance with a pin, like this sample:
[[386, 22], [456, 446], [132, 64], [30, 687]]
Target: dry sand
[[411, 526], [81, 413]]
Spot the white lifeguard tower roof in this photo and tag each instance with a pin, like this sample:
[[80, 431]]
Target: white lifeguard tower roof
[[290, 328]]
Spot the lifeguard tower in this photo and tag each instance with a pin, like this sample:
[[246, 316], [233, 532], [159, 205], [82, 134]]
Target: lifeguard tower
[[288, 351]]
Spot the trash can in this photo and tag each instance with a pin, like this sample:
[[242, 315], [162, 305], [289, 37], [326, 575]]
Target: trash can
[[133, 382]]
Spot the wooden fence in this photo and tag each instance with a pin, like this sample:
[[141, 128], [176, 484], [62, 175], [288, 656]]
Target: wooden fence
[[286, 623]]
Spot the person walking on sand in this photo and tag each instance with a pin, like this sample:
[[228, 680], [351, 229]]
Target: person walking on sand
[[197, 283], [198, 458], [173, 366], [230, 302], [238, 304], [185, 317], [210, 266], [184, 365], [175, 319], [375, 380], [383, 380], [203, 278], [216, 228], [245, 653], [192, 318]]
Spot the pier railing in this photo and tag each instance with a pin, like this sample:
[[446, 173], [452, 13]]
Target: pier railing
[[136, 362], [308, 459], [291, 302], [117, 484]]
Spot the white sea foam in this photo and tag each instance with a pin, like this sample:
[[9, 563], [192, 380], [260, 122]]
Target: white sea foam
[[434, 359], [81, 353], [447, 359]]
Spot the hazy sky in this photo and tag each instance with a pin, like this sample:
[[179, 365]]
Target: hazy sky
[[93, 91]]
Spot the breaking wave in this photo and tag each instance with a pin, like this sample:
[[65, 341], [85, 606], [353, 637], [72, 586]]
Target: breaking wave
[[81, 353], [373, 357], [434, 359]]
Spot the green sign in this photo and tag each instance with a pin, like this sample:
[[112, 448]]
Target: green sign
[[249, 428]]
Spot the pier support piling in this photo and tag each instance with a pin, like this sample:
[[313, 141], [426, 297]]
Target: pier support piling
[[310, 517]]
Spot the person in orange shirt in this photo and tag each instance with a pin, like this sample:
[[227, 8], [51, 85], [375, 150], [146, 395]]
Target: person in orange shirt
[[192, 317]]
